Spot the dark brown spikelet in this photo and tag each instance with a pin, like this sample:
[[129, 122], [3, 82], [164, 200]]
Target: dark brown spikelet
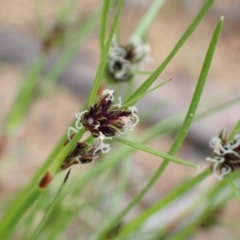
[[82, 153], [103, 120], [105, 117]]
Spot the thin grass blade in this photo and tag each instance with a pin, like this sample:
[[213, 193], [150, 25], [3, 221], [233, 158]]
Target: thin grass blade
[[103, 61], [183, 188], [184, 128], [190, 114], [105, 10], [144, 87], [234, 131], [154, 152], [232, 185], [31, 192], [134, 100], [49, 211], [146, 21]]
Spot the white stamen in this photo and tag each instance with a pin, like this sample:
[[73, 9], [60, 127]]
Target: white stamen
[[220, 151], [126, 67], [69, 132], [130, 122], [224, 171], [216, 145], [104, 147], [119, 104], [110, 93], [142, 50], [216, 161], [133, 110], [78, 125], [115, 50]]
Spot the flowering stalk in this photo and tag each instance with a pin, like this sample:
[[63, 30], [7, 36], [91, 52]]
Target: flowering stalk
[[123, 60], [103, 120], [226, 154]]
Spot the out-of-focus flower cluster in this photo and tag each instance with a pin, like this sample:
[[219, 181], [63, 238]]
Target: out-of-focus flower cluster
[[103, 120], [226, 154], [123, 60]]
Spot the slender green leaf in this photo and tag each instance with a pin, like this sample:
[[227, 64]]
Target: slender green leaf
[[191, 111], [134, 100], [232, 185], [103, 61], [49, 211], [144, 87], [31, 191], [177, 192], [104, 18], [213, 200], [184, 128], [234, 131], [146, 21], [154, 152]]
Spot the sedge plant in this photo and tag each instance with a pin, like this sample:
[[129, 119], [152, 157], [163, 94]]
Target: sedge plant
[[103, 133]]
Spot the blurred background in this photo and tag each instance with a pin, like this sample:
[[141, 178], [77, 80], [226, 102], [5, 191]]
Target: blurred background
[[26, 30]]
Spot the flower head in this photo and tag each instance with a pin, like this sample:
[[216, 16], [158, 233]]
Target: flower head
[[82, 153], [226, 154], [122, 60], [107, 118]]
